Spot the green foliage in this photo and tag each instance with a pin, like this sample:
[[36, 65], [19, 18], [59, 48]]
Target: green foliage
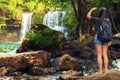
[[10, 7], [30, 5], [51, 4], [14, 14], [106, 3], [94, 3], [2, 19], [116, 1], [13, 7], [37, 18], [46, 37], [70, 20]]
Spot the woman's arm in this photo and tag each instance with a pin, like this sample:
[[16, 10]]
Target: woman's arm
[[90, 12]]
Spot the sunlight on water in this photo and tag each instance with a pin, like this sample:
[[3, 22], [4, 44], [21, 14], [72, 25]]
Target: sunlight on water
[[53, 19], [26, 24], [116, 64]]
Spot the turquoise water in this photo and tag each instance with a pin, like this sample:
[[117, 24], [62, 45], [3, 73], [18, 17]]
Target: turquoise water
[[9, 47]]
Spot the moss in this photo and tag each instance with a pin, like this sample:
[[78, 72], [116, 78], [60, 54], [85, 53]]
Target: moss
[[46, 36]]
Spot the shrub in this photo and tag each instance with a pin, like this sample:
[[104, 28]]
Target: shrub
[[46, 36]]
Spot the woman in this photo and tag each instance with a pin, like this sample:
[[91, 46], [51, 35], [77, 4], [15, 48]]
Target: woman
[[100, 47]]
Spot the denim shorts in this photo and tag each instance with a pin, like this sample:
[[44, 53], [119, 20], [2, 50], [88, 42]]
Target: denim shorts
[[98, 41]]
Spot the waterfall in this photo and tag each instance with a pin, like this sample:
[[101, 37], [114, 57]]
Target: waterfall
[[25, 25], [53, 19]]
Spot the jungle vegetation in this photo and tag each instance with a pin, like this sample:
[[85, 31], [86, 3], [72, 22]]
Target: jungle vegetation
[[76, 12]]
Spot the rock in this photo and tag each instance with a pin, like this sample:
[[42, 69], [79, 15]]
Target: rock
[[115, 45], [69, 45], [11, 63], [40, 37], [114, 54], [67, 75], [67, 62], [116, 36], [88, 53], [3, 71], [29, 45], [110, 75], [42, 71], [38, 26], [73, 73]]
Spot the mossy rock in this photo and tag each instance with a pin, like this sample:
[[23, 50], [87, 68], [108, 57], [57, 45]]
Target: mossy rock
[[42, 38]]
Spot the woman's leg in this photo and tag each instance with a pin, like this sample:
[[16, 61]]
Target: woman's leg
[[98, 48], [105, 57]]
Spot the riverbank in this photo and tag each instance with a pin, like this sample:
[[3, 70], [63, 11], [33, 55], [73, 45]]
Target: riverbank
[[78, 60], [55, 72]]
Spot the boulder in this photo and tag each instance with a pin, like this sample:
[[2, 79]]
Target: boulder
[[67, 62], [10, 63]]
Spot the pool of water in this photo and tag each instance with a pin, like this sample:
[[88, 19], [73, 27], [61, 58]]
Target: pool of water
[[9, 47]]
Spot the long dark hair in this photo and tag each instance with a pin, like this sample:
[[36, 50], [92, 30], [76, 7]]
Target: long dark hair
[[102, 13]]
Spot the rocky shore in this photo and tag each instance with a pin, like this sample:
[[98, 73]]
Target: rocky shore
[[110, 75], [38, 65], [71, 60]]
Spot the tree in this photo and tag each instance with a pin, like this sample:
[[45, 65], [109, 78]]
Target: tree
[[76, 10]]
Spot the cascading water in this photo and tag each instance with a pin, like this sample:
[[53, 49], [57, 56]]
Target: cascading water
[[13, 46], [53, 19], [25, 25]]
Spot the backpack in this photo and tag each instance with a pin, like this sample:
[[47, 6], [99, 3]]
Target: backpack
[[105, 33]]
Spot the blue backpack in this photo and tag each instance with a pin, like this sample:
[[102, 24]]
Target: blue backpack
[[105, 33]]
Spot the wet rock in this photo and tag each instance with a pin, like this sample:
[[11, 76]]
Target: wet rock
[[42, 71]]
